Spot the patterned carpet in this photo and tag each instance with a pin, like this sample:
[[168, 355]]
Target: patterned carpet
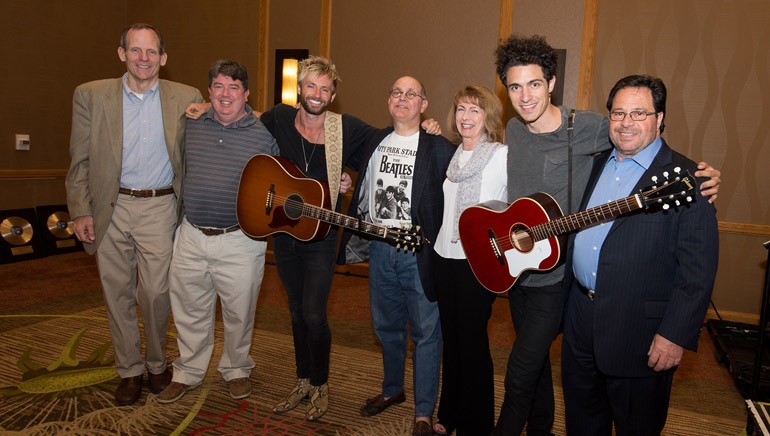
[[57, 375]]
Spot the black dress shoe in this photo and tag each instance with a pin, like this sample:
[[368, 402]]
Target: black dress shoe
[[158, 382], [129, 390], [377, 404]]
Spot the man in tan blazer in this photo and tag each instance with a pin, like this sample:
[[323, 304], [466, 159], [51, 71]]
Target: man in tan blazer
[[122, 189]]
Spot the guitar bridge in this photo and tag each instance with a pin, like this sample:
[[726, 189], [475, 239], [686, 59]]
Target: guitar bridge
[[495, 247], [270, 199]]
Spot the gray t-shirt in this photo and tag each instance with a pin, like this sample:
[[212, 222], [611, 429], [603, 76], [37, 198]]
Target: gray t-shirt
[[538, 163]]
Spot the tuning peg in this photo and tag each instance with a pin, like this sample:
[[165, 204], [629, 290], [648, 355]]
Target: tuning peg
[[677, 203], [666, 206], [655, 179], [689, 199], [665, 174], [677, 170]]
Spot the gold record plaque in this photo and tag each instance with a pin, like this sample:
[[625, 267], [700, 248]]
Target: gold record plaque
[[60, 226], [20, 236], [57, 229], [16, 230]]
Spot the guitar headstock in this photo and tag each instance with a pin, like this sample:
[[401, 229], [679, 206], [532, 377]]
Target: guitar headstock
[[673, 189], [406, 237]]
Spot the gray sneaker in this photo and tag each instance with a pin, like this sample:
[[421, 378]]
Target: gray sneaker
[[300, 392], [239, 387], [174, 391], [319, 402]]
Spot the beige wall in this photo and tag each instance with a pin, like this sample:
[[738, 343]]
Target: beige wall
[[564, 30], [292, 29], [712, 54], [374, 43], [713, 57], [48, 49]]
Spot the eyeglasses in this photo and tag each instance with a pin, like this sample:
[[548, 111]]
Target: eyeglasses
[[635, 115], [397, 93]]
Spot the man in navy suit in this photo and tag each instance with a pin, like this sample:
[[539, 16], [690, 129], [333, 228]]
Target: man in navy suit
[[639, 285], [400, 284]]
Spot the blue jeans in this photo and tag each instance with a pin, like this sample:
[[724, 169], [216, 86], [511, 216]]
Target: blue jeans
[[396, 297]]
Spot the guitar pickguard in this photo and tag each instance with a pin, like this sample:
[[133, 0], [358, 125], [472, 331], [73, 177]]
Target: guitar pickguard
[[518, 261]]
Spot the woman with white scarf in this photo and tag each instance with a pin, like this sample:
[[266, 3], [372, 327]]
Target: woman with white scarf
[[477, 173]]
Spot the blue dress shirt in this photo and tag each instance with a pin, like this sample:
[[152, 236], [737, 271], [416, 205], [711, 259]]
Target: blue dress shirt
[[616, 181]]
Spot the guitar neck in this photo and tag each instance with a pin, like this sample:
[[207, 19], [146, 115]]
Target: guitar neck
[[585, 218], [343, 220]]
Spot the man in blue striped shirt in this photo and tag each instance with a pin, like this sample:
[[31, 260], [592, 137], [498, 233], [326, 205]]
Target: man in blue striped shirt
[[212, 256]]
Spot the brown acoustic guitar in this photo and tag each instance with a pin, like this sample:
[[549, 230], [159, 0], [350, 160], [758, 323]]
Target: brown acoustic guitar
[[274, 196], [501, 241]]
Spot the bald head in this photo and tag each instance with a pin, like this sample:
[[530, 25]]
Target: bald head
[[407, 101]]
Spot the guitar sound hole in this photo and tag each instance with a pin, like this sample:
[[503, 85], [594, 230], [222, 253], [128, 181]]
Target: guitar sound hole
[[522, 240], [293, 206]]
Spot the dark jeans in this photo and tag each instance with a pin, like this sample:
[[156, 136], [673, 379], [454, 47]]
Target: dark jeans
[[536, 315], [593, 400], [467, 382], [306, 270]]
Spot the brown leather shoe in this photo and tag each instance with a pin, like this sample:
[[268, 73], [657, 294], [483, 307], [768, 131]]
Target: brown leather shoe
[[239, 388], [158, 382], [422, 428], [377, 404], [129, 390], [174, 391]]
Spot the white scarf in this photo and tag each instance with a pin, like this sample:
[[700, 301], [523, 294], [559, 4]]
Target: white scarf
[[468, 177]]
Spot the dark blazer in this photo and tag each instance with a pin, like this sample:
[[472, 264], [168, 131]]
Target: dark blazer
[[433, 156], [656, 273], [96, 146]]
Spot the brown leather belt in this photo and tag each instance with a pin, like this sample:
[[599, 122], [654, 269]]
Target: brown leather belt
[[590, 293], [146, 192], [213, 231]]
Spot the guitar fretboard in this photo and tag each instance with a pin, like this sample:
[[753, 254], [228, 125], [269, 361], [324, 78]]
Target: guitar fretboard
[[329, 216], [585, 218], [339, 219]]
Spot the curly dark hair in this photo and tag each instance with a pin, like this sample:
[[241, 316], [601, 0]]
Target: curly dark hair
[[519, 51]]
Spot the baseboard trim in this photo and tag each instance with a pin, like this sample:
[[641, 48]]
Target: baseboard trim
[[748, 318]]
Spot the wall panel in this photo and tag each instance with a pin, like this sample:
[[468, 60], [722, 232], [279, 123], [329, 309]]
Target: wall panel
[[293, 24], [713, 56], [197, 33], [560, 22], [445, 44]]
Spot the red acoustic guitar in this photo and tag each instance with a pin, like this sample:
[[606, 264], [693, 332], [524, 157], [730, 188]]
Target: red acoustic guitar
[[274, 196], [501, 241]]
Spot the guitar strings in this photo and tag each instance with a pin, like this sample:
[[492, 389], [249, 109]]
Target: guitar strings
[[404, 235], [328, 215], [565, 224]]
